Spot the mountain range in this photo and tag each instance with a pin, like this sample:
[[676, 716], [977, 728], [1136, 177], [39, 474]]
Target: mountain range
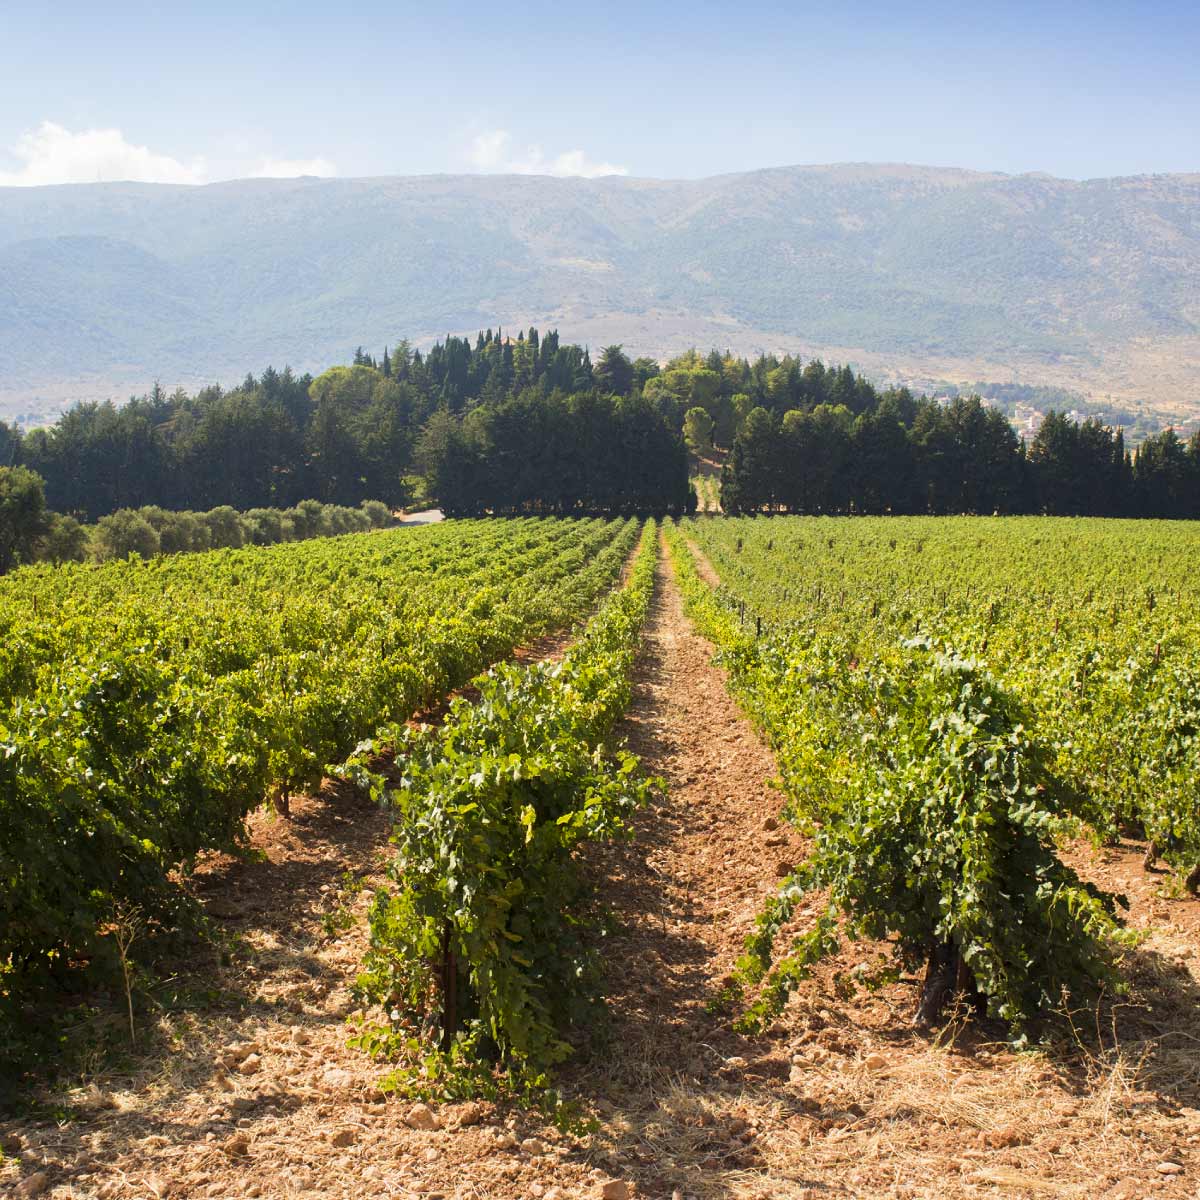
[[918, 274]]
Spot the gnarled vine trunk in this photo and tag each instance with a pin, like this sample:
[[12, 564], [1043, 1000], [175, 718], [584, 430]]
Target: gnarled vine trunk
[[946, 975], [941, 977]]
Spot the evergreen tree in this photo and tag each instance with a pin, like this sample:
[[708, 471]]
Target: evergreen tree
[[24, 519], [884, 464], [533, 434], [614, 372], [752, 477], [10, 444], [1164, 483], [697, 431]]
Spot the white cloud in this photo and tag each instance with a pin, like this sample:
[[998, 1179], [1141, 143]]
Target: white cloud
[[52, 154], [291, 168], [492, 151], [488, 150]]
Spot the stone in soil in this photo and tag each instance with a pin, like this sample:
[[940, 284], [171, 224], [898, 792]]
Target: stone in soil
[[421, 1116]]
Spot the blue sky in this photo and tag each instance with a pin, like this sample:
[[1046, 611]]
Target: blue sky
[[196, 92]]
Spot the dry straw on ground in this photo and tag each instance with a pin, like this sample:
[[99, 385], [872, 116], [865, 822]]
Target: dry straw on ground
[[254, 1092]]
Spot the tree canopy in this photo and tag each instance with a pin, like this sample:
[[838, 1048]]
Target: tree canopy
[[24, 520], [906, 456], [525, 422]]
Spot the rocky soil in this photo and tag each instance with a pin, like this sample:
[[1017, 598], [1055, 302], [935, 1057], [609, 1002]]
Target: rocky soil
[[244, 1085]]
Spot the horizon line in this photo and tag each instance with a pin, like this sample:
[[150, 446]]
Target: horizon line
[[610, 179]]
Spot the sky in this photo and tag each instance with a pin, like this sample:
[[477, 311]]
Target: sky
[[182, 92]]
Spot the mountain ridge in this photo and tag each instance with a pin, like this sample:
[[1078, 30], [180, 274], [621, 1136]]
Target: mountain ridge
[[571, 180], [911, 273]]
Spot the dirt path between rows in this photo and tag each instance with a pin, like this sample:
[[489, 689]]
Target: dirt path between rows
[[251, 1089], [684, 1100], [245, 1086], [242, 1083], [842, 1097]]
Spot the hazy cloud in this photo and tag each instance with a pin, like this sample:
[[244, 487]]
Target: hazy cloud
[[493, 152], [291, 168], [52, 154]]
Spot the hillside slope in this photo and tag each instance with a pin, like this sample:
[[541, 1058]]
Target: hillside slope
[[913, 272]]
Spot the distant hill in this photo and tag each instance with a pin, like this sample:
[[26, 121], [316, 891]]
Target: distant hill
[[909, 273]]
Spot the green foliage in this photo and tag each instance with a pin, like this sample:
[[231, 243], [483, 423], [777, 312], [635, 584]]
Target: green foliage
[[539, 453], [1090, 625], [224, 528], [1130, 733], [65, 540], [490, 809], [378, 513], [528, 425], [749, 479], [125, 533], [146, 708], [697, 431], [824, 440], [23, 517], [614, 372], [932, 798], [934, 826]]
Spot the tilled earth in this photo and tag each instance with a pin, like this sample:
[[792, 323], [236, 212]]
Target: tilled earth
[[251, 1090]]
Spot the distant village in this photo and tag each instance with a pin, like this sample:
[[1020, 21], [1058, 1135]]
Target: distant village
[[1027, 415]]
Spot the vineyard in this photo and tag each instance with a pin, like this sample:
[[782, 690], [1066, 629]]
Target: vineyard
[[1092, 628], [490, 809], [147, 708], [572, 925], [944, 699]]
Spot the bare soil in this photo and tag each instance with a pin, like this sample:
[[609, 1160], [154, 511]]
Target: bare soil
[[253, 1091]]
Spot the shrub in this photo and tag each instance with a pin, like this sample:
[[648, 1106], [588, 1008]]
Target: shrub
[[337, 519], [378, 514], [308, 519], [934, 821], [264, 526], [65, 541], [123, 533], [178, 532], [224, 527]]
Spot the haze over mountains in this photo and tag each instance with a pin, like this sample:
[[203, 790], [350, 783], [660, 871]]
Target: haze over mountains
[[911, 273]]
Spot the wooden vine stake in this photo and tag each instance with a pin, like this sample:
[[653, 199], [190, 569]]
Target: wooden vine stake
[[449, 984]]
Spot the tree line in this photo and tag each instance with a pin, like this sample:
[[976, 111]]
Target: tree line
[[31, 532], [809, 438], [359, 432], [585, 452], [526, 423], [905, 456]]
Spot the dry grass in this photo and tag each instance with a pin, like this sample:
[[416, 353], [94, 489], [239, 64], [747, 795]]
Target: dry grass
[[839, 1098]]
